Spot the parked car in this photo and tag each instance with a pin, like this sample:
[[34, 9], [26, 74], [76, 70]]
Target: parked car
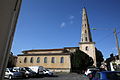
[[27, 73], [47, 72], [19, 69], [31, 72], [90, 70], [92, 74], [9, 73], [107, 75]]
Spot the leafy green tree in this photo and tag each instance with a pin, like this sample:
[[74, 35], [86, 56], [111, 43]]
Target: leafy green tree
[[99, 58], [80, 61]]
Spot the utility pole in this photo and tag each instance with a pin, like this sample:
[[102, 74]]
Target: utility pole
[[116, 39], [117, 43]]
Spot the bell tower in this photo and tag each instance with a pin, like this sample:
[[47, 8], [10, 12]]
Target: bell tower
[[86, 44]]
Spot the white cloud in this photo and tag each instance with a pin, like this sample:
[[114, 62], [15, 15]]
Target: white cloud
[[71, 17], [70, 21], [62, 24]]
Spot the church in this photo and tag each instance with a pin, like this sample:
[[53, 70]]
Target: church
[[59, 60]]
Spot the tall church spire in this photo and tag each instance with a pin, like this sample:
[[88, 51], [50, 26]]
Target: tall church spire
[[86, 44], [86, 34]]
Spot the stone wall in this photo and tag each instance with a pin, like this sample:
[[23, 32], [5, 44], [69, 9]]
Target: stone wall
[[57, 66]]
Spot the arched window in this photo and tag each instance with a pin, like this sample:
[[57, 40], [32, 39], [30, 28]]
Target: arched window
[[31, 60], [62, 60], [85, 31], [45, 60], [84, 14], [38, 60], [53, 60], [86, 48], [82, 39], [85, 38], [85, 25], [25, 60]]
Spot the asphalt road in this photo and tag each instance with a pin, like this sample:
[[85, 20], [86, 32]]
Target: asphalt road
[[59, 76]]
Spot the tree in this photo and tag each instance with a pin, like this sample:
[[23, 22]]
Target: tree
[[99, 58], [80, 61]]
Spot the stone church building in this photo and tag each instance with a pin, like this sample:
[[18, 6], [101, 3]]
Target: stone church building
[[59, 60]]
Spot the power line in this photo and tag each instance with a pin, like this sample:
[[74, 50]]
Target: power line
[[102, 28], [104, 38]]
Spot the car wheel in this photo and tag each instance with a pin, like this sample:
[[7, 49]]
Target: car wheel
[[51, 74], [47, 74], [10, 76], [26, 76]]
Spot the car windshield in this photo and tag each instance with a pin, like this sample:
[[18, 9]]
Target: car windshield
[[11, 70], [28, 69], [7, 69], [113, 75], [46, 69]]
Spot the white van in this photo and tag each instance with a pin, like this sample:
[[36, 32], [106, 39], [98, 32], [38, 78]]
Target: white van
[[37, 69], [41, 70]]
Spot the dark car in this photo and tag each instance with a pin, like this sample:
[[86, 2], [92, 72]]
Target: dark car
[[31, 73], [27, 72], [92, 74], [90, 70], [107, 75]]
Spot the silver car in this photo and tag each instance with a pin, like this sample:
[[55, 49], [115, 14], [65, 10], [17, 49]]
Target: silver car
[[11, 74]]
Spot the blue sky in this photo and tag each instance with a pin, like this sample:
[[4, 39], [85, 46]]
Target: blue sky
[[49, 24]]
